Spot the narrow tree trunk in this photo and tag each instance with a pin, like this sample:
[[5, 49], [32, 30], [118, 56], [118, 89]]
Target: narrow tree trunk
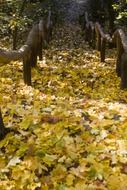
[[27, 71], [103, 47], [3, 130], [15, 32]]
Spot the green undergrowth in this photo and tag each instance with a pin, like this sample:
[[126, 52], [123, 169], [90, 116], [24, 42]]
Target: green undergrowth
[[69, 130]]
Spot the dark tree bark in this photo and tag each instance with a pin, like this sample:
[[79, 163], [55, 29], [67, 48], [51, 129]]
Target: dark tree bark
[[124, 70], [86, 27], [111, 14], [33, 42], [49, 26], [42, 36], [45, 33], [27, 64], [14, 34], [101, 40], [119, 40], [92, 34], [96, 10], [3, 130], [102, 11], [105, 38], [15, 31], [98, 36], [103, 47]]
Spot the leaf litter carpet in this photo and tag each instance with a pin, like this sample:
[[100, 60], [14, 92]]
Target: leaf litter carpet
[[70, 127]]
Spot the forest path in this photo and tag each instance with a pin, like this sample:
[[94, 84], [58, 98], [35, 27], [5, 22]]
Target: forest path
[[71, 125], [71, 9], [85, 110], [74, 10]]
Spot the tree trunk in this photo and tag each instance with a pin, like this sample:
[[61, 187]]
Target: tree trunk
[[3, 130], [15, 31]]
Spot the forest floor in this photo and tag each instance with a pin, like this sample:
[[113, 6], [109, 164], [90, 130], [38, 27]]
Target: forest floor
[[70, 127]]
